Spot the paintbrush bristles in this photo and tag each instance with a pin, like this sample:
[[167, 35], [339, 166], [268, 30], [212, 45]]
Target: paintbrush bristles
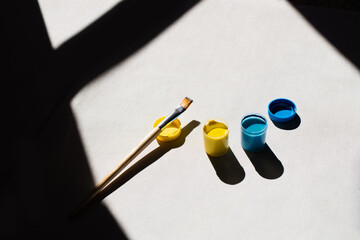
[[186, 102]]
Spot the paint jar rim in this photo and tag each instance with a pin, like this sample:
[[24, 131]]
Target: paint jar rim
[[257, 115], [219, 120]]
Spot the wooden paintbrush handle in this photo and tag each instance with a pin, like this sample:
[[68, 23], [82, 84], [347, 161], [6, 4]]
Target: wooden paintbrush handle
[[133, 154]]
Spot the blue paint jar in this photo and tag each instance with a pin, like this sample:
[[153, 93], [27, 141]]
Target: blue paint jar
[[253, 132]]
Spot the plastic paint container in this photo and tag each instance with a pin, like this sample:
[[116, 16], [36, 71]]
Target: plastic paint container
[[281, 110], [253, 132], [216, 137], [170, 132]]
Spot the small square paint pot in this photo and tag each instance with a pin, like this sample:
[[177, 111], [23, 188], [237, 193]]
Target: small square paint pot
[[253, 132], [216, 137]]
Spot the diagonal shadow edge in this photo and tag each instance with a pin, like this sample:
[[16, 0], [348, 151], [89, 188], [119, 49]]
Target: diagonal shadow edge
[[112, 38], [336, 22], [47, 91]]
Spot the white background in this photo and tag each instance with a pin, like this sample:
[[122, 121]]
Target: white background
[[233, 58]]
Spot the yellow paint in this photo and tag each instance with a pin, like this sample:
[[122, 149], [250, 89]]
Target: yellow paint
[[217, 132], [170, 132], [216, 139]]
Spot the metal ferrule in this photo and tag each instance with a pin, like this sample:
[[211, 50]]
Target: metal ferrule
[[171, 117]]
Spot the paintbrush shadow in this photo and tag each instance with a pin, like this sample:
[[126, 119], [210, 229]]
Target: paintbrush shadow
[[147, 160]]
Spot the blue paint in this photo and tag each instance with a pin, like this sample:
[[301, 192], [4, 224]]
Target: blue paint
[[253, 132], [283, 113]]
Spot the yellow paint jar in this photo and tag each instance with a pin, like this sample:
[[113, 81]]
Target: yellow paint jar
[[170, 132], [216, 137]]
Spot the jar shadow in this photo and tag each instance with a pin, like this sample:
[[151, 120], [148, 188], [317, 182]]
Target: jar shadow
[[228, 168], [291, 125], [266, 163]]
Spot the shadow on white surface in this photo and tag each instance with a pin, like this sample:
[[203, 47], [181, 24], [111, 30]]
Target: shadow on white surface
[[337, 21], [291, 125], [147, 160], [228, 168], [266, 163], [49, 171]]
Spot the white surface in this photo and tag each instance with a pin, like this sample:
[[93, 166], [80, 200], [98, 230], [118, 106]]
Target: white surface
[[232, 58], [65, 18]]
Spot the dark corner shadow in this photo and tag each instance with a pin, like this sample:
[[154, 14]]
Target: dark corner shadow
[[49, 173], [338, 21], [147, 160], [228, 168], [291, 125], [266, 163], [53, 175]]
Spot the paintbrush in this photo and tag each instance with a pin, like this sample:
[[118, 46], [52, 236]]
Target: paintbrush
[[134, 153]]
